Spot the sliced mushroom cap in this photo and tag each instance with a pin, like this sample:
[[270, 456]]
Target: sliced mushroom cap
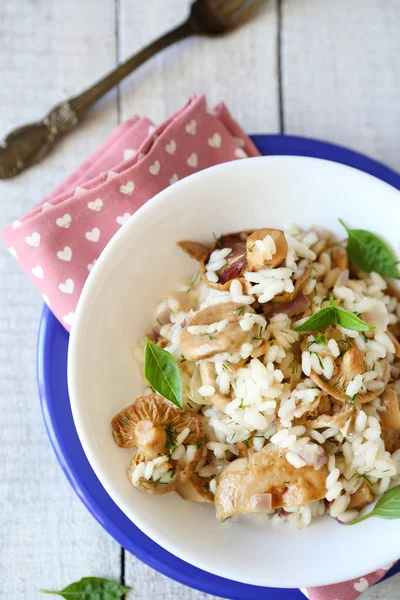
[[311, 411], [196, 489], [361, 497], [395, 342], [200, 346], [343, 417], [391, 438], [208, 377], [340, 259], [152, 425], [236, 262], [390, 418], [243, 481], [194, 249], [347, 366], [257, 258]]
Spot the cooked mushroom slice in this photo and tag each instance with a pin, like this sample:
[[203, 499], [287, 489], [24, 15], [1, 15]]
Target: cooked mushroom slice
[[266, 248], [208, 377], [196, 489], [309, 412], [391, 439], [266, 480], [165, 436], [361, 497], [226, 336], [194, 249], [342, 418], [346, 367], [396, 343], [390, 418], [340, 259], [228, 266]]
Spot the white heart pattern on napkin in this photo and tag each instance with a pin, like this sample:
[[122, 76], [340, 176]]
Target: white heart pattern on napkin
[[215, 140], [123, 219], [173, 179], [128, 153], [361, 585], [191, 127], [94, 235], [46, 206], [91, 265], [171, 147], [111, 175], [69, 318], [155, 168], [64, 221], [192, 161], [96, 204], [79, 190], [33, 240], [38, 271], [67, 287], [16, 224], [13, 252], [240, 153], [65, 254], [127, 189]]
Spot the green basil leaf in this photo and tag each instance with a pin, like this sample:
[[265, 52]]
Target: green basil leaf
[[320, 320], [367, 252], [92, 588], [388, 507], [349, 321], [162, 372]]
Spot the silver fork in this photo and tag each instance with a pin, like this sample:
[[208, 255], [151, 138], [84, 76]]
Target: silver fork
[[28, 144]]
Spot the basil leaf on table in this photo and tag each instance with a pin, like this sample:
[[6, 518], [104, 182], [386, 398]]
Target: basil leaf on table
[[367, 252], [162, 372], [92, 588], [388, 507], [349, 321]]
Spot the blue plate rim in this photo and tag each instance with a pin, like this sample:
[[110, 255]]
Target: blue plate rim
[[69, 452]]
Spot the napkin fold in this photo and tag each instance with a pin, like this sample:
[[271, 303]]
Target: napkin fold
[[59, 240]]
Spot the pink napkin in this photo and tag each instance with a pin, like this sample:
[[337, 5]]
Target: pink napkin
[[58, 241]]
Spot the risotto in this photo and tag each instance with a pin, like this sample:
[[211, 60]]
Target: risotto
[[274, 380]]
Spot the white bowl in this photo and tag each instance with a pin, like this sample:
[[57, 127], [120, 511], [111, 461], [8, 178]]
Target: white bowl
[[139, 265]]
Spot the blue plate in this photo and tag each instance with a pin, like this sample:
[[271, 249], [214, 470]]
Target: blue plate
[[53, 391]]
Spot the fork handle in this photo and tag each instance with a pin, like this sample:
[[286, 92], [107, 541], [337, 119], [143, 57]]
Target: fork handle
[[26, 145]]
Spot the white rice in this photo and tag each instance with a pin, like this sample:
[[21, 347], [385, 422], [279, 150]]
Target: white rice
[[269, 393]]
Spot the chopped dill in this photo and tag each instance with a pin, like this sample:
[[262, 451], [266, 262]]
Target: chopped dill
[[191, 405], [200, 442], [251, 247], [217, 240], [171, 475], [209, 335], [240, 310], [363, 476]]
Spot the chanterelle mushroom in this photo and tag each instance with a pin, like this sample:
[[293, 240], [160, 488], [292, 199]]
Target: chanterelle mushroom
[[348, 365], [266, 480], [342, 417], [195, 489], [168, 441], [198, 342], [390, 418], [266, 248]]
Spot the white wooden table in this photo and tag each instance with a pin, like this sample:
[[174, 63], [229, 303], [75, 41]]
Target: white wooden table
[[324, 69]]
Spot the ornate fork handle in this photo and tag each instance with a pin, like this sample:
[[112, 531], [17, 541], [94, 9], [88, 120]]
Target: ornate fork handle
[[26, 145]]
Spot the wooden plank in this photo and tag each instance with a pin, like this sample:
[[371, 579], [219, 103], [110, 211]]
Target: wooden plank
[[239, 68], [341, 82], [341, 73], [48, 50]]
